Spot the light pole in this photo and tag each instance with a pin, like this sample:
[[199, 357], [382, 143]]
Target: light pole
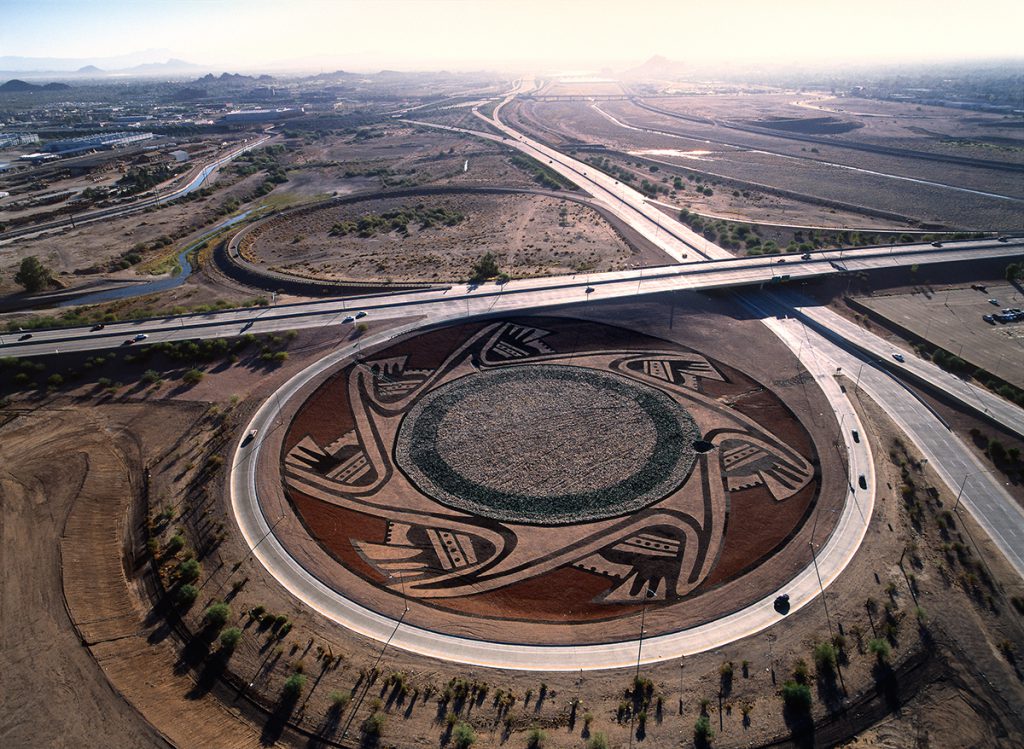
[[648, 593], [824, 601], [405, 598], [963, 483]]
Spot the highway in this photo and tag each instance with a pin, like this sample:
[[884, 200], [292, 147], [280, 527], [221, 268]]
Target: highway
[[515, 295], [976, 484], [873, 347]]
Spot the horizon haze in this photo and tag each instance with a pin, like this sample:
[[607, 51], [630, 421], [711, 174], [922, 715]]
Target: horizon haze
[[313, 35]]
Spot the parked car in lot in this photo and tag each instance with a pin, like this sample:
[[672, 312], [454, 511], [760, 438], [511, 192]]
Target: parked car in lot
[[989, 319], [994, 302]]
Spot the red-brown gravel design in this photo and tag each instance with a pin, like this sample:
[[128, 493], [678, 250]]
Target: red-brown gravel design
[[729, 472]]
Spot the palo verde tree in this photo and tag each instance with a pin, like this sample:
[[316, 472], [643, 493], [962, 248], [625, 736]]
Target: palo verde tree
[[33, 275]]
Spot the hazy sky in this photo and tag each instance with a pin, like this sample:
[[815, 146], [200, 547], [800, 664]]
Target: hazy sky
[[473, 33]]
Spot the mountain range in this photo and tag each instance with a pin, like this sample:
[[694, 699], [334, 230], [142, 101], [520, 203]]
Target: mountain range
[[145, 63]]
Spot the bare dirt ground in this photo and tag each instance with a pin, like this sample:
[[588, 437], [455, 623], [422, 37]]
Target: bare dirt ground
[[54, 692], [530, 235]]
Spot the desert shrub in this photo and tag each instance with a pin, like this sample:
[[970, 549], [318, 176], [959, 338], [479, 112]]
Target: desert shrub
[[192, 376], [230, 638], [174, 544], [880, 648], [189, 570], [702, 732], [825, 657], [292, 688], [598, 741], [801, 673], [796, 696], [374, 725], [463, 735], [33, 275], [217, 614], [340, 700], [187, 595], [535, 738], [486, 267]]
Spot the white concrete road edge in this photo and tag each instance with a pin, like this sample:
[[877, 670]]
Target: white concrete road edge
[[831, 558]]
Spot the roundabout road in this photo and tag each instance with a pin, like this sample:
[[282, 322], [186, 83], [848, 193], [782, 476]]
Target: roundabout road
[[830, 556]]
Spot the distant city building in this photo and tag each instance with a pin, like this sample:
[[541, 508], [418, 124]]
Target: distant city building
[[96, 142], [9, 140], [250, 116]]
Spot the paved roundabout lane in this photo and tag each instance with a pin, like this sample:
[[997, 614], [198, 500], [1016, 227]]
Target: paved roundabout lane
[[517, 492]]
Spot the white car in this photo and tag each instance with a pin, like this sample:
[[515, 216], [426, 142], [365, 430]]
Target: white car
[[359, 314], [349, 318], [898, 357], [140, 337]]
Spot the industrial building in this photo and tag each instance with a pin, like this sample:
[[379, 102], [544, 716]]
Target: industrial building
[[10, 140], [95, 142]]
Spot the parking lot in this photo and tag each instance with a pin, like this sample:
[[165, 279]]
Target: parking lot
[[952, 319]]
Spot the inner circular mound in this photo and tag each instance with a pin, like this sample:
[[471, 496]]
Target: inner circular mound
[[546, 444]]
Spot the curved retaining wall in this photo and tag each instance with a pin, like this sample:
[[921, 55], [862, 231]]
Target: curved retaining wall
[[229, 261]]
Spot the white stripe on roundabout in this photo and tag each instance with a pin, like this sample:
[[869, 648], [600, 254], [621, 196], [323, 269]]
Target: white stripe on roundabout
[[831, 558]]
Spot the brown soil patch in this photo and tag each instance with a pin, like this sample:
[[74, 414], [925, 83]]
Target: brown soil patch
[[531, 235], [98, 479]]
